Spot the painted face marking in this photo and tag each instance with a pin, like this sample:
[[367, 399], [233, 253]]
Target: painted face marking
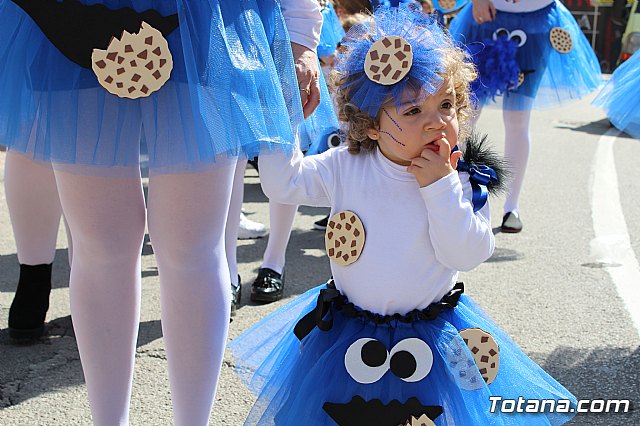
[[392, 137], [391, 118]]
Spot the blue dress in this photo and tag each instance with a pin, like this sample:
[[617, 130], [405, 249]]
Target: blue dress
[[518, 65], [232, 90], [620, 97]]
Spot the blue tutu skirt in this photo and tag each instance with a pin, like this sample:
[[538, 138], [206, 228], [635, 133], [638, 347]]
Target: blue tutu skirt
[[232, 91], [331, 33], [427, 367], [620, 97], [520, 72]]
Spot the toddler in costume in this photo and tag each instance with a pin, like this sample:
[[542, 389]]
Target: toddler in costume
[[619, 98], [392, 339]]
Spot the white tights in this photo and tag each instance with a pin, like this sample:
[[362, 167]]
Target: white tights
[[186, 220], [281, 217], [34, 208], [516, 151]]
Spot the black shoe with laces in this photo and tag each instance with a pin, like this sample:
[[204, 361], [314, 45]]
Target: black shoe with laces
[[31, 302], [236, 296], [268, 286], [321, 224], [511, 223]]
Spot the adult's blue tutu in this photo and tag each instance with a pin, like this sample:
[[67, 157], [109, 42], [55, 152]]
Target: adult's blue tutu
[[321, 125], [388, 368], [232, 91], [519, 68], [331, 33], [620, 97]]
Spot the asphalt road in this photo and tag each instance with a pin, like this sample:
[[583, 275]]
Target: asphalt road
[[555, 287]]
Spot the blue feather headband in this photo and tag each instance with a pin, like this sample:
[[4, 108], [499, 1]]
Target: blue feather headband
[[423, 78]]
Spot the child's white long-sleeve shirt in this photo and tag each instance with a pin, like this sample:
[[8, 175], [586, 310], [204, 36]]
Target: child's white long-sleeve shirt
[[417, 239]]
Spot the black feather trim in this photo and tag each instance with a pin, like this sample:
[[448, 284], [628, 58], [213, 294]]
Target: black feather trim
[[477, 150]]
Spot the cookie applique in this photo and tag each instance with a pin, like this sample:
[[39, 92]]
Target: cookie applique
[[447, 4], [388, 60], [423, 420], [561, 40], [344, 238], [485, 351], [134, 66]]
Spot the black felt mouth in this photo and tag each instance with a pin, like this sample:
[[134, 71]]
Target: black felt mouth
[[359, 412]]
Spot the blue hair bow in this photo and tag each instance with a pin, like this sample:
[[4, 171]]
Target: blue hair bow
[[479, 176]]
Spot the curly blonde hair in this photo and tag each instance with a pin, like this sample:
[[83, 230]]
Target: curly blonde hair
[[458, 69]]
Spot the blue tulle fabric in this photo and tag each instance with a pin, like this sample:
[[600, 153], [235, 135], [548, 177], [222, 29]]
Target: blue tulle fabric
[[293, 379], [331, 33], [551, 78], [620, 97], [232, 91], [427, 40], [323, 122]]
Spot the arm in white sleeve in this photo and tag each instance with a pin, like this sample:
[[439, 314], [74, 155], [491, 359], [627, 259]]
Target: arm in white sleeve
[[297, 180], [304, 21], [461, 238]]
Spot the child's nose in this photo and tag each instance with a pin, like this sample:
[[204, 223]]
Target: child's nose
[[434, 121]]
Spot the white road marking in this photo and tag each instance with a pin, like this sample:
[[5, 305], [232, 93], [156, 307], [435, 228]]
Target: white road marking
[[611, 244]]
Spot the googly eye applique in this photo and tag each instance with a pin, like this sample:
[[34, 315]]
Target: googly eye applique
[[518, 36], [334, 140], [367, 360], [388, 60], [134, 66]]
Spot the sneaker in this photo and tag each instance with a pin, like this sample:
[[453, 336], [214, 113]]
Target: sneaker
[[249, 229], [511, 223], [268, 286], [236, 296], [321, 224]]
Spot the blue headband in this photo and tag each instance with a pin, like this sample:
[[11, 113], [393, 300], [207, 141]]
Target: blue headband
[[426, 40]]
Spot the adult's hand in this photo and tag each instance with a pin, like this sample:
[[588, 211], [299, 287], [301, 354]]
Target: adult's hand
[[483, 11], [306, 62]]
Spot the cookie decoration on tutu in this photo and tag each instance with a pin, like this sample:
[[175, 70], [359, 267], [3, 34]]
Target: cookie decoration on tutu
[[561, 40], [422, 421], [135, 65], [344, 238], [485, 350], [388, 60]]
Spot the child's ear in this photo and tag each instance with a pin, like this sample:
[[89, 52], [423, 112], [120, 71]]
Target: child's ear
[[373, 134]]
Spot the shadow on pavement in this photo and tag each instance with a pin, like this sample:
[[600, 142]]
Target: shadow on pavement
[[34, 368]]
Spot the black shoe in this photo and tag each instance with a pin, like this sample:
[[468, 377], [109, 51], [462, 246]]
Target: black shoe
[[236, 296], [268, 286], [511, 223], [321, 224], [254, 163], [31, 302]]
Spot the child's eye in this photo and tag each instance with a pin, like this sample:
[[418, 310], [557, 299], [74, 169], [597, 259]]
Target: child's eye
[[413, 111], [447, 105]]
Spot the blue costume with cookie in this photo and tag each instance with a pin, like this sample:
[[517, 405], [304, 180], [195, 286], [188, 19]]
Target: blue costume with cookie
[[231, 82], [532, 55], [391, 339]]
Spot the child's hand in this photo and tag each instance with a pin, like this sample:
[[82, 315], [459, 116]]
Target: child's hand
[[431, 165]]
